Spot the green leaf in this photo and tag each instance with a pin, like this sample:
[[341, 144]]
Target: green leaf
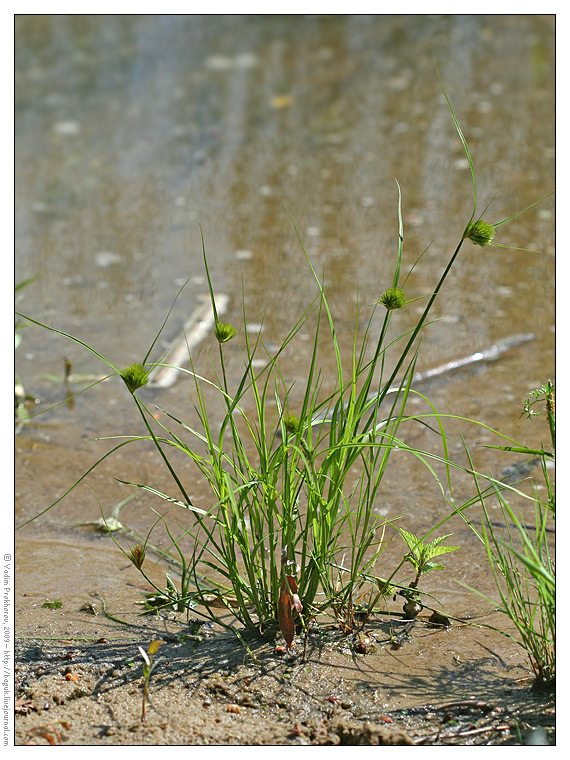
[[413, 542], [433, 549], [52, 605]]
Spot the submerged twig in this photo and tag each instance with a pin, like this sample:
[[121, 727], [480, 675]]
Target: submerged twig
[[194, 331], [489, 354]]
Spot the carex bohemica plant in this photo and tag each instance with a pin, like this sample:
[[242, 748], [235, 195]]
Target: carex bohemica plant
[[291, 529]]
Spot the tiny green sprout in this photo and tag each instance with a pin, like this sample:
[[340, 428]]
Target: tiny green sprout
[[421, 553], [480, 232], [148, 667], [137, 556], [49, 605], [224, 332], [292, 423], [393, 298], [135, 376]]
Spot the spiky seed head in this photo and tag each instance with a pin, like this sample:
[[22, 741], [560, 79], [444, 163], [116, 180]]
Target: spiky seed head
[[393, 298], [292, 423], [224, 332], [480, 232], [135, 376], [137, 555]]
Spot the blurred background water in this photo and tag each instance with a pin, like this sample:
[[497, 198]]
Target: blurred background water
[[133, 130]]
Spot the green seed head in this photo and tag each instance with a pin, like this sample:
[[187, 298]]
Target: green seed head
[[292, 423], [137, 555], [135, 376], [480, 232], [224, 332], [394, 298]]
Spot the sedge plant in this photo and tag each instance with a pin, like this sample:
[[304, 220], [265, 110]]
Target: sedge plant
[[294, 473], [520, 554]]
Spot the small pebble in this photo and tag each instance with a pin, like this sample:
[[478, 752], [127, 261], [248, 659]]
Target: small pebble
[[74, 280], [218, 63], [245, 61], [106, 258], [401, 127], [67, 128], [399, 83]]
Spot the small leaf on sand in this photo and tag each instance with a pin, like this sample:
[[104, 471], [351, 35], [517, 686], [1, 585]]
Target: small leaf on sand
[[154, 646]]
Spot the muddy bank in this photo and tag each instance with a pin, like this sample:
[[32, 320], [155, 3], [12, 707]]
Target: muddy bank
[[79, 674], [462, 685]]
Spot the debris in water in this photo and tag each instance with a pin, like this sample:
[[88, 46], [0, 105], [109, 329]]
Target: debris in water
[[195, 329], [281, 101]]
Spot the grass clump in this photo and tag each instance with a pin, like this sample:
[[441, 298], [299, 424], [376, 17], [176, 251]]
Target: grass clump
[[291, 529], [520, 554]]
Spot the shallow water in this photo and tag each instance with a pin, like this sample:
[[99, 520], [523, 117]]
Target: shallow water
[[133, 130]]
